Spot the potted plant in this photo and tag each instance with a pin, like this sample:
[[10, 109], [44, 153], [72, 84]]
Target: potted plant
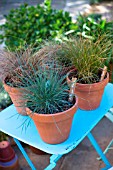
[[48, 105], [13, 64], [88, 57], [50, 53]]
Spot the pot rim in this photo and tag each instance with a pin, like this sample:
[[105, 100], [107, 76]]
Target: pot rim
[[81, 84], [8, 86], [54, 114]]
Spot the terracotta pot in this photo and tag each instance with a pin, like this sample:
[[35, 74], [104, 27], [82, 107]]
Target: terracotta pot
[[11, 165], [6, 151], [16, 97], [8, 158], [89, 95], [111, 73], [54, 128]]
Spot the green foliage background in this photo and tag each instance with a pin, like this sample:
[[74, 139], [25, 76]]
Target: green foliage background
[[31, 25]]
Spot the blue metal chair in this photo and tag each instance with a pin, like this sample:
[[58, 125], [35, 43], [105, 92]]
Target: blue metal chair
[[12, 123]]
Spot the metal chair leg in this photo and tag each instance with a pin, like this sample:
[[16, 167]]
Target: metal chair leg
[[99, 151], [24, 154]]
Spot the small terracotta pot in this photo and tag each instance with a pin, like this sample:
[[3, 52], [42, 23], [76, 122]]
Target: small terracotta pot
[[12, 165], [54, 128], [6, 152], [16, 95], [8, 158], [89, 95]]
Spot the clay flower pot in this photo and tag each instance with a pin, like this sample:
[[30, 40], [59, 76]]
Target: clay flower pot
[[8, 158], [16, 97], [54, 128], [89, 95], [6, 152]]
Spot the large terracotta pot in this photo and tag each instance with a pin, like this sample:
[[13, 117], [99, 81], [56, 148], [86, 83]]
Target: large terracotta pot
[[16, 95], [89, 95], [54, 128]]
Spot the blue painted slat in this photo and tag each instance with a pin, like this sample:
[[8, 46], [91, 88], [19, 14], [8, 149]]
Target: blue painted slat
[[83, 123]]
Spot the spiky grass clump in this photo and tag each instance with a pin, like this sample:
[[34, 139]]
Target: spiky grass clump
[[47, 92], [13, 63], [87, 56], [53, 52]]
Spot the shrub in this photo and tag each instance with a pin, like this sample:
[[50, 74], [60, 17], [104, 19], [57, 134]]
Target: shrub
[[93, 25], [29, 24], [5, 100]]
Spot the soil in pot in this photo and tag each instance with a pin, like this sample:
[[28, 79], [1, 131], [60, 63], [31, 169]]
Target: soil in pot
[[89, 95]]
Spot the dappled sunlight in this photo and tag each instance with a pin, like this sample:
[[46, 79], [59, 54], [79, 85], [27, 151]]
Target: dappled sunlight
[[2, 21], [17, 4], [105, 9], [82, 6], [76, 7], [78, 3], [102, 8]]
